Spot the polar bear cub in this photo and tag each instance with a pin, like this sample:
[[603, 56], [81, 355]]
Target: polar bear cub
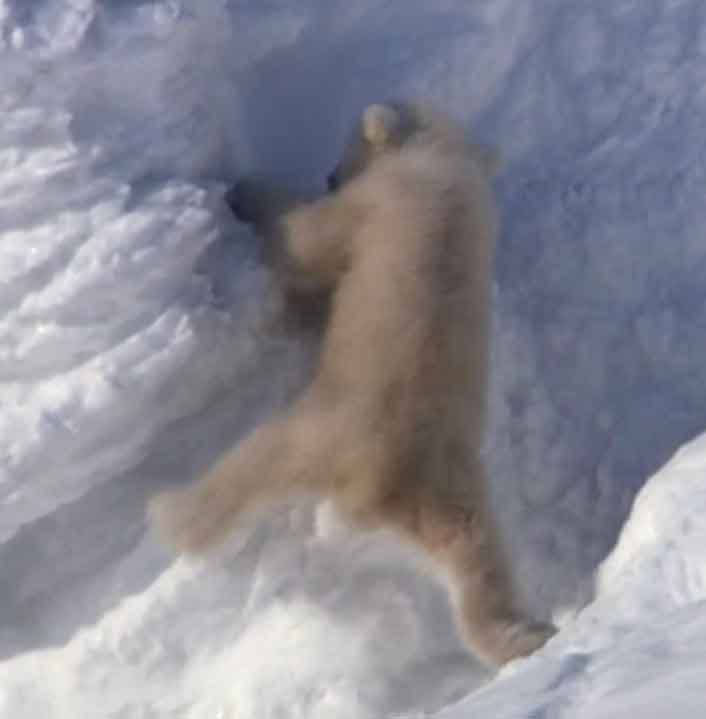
[[391, 427]]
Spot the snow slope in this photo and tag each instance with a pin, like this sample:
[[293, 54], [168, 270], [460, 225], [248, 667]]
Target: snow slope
[[140, 337]]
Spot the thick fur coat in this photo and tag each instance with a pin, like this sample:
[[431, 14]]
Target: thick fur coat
[[391, 427]]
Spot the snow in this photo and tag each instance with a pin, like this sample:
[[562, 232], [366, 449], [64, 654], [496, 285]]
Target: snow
[[639, 646], [140, 337]]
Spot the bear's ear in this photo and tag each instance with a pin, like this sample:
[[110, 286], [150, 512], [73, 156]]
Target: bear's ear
[[380, 124]]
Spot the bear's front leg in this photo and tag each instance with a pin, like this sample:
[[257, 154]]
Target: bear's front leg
[[306, 242]]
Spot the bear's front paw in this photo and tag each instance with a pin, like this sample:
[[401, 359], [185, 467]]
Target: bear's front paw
[[249, 199]]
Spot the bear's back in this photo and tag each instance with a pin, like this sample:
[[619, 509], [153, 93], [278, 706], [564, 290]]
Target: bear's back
[[409, 322]]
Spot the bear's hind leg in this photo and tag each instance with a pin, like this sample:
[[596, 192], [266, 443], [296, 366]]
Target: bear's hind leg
[[464, 543], [194, 518], [289, 454]]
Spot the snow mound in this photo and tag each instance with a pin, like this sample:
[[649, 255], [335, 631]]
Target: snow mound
[[639, 647]]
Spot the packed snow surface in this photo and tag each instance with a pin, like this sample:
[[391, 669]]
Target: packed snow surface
[[140, 337]]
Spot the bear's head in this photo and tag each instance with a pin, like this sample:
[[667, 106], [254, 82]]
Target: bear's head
[[392, 127]]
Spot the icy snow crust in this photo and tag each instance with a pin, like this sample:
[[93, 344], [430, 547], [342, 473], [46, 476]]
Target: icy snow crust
[[140, 336]]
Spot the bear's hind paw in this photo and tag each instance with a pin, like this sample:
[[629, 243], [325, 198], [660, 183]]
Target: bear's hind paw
[[181, 521]]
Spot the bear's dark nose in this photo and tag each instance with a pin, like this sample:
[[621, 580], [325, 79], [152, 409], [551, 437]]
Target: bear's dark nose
[[332, 182]]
